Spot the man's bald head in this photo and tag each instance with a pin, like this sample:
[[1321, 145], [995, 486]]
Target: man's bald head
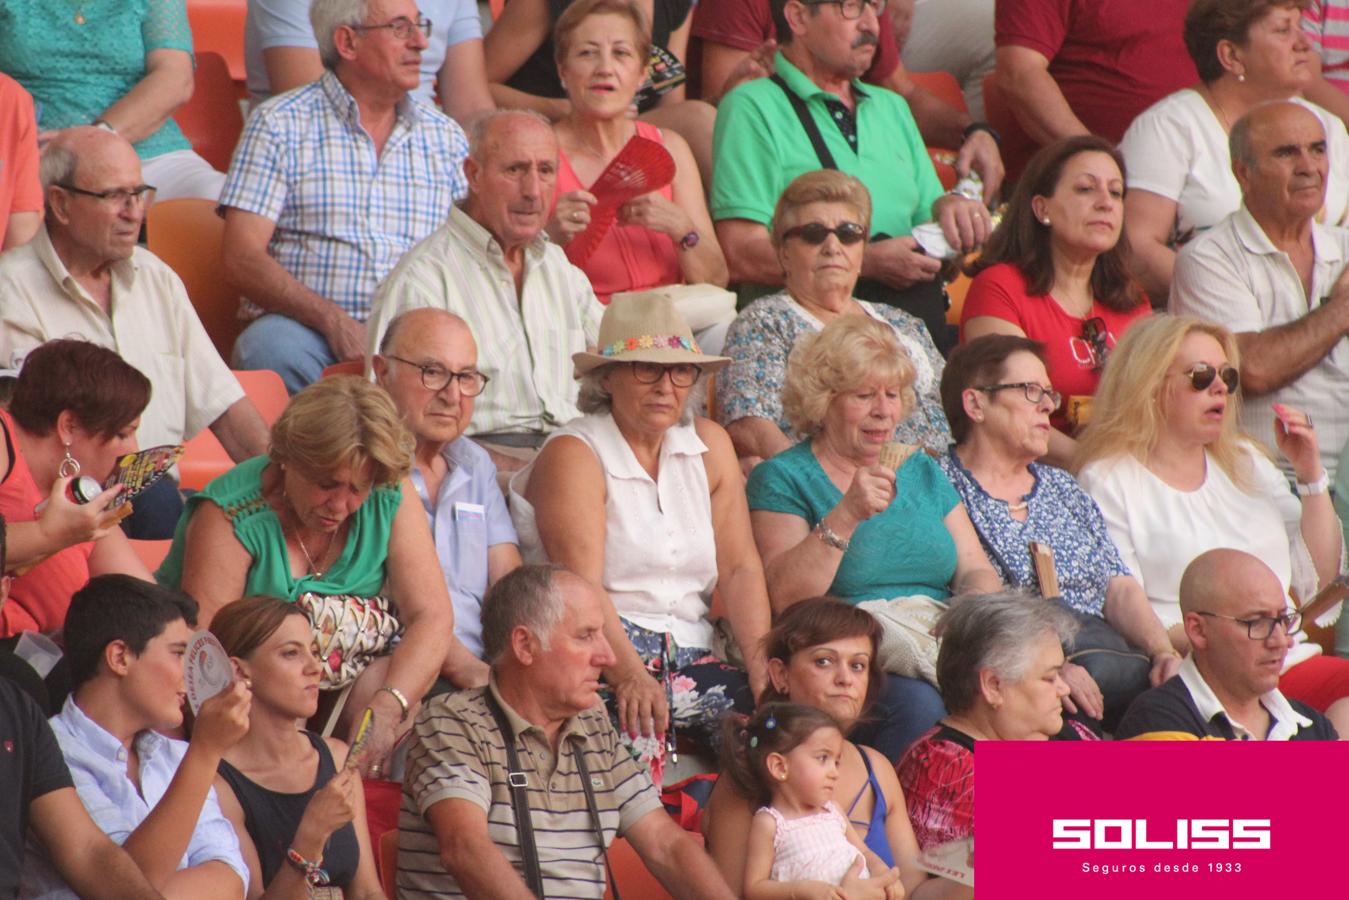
[[83, 145], [1279, 158], [1226, 581], [95, 203], [425, 319]]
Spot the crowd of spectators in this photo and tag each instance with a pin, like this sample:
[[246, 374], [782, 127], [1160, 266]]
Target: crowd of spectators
[[535, 523]]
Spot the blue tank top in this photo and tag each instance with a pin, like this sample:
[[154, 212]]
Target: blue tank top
[[875, 837]]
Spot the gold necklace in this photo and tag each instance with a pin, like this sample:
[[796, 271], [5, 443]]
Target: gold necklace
[[79, 14], [313, 569]]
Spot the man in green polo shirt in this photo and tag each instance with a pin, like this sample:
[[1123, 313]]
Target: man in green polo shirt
[[761, 143]]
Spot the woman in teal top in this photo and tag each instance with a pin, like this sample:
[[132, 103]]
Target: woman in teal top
[[124, 65], [830, 519], [331, 511]]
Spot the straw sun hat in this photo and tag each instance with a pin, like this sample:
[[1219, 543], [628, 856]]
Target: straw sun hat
[[645, 327]]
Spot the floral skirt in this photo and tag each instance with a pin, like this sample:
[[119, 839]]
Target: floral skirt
[[699, 688]]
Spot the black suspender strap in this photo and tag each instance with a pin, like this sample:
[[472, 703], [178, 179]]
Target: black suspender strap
[[518, 782], [808, 123], [515, 776]]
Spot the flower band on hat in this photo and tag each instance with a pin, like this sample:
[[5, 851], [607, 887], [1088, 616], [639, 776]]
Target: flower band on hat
[[651, 342]]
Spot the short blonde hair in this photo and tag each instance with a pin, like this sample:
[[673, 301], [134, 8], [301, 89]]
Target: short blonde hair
[[851, 352], [343, 421], [820, 186], [1127, 415]]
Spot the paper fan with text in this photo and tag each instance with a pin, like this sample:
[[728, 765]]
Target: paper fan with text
[[642, 166], [138, 471]]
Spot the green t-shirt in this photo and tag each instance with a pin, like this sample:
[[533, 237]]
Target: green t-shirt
[[358, 571], [76, 70], [759, 146], [902, 551]]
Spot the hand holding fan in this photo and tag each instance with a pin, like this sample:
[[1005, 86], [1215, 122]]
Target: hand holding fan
[[363, 733], [642, 166]]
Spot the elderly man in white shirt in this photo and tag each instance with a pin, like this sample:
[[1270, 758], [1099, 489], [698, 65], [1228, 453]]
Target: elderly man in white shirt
[[1272, 273], [528, 307], [82, 275]]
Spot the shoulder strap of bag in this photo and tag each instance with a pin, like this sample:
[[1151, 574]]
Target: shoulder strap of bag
[[578, 753], [515, 777], [807, 122]]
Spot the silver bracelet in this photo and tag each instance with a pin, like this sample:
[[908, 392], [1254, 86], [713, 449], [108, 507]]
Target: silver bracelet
[[397, 695], [830, 537]]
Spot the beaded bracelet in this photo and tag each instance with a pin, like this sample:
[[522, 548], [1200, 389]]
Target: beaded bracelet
[[313, 875]]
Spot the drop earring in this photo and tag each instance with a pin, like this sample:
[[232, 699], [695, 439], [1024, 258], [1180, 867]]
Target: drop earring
[[70, 466]]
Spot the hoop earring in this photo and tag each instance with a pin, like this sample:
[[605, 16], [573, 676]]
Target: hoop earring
[[70, 466]]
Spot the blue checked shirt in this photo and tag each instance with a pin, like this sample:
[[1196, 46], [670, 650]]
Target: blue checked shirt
[[343, 215]]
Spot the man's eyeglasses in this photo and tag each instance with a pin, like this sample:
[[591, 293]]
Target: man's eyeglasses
[[816, 233], [1032, 391], [141, 193], [851, 9], [681, 374], [401, 27], [1261, 627], [1201, 375], [436, 378]]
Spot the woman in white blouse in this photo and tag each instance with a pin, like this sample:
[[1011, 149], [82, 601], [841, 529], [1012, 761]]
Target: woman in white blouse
[[647, 502], [1180, 179], [1174, 478]]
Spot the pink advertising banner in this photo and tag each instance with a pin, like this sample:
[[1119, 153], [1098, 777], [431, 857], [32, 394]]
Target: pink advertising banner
[[1161, 820]]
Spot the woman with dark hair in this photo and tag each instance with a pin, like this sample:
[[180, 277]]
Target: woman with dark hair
[[1247, 52], [998, 398], [284, 788], [821, 653], [75, 410], [1057, 271]]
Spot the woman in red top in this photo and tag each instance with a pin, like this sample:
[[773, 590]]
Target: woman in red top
[[660, 238], [75, 411], [1056, 271]]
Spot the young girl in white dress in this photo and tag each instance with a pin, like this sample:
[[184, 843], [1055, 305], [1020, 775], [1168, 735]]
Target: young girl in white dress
[[800, 844]]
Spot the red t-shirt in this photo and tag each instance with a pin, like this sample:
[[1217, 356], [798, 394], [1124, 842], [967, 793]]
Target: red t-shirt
[[20, 190], [1111, 58], [1000, 292], [745, 24]]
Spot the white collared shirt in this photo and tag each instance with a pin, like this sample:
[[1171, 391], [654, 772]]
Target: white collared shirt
[[1284, 720]]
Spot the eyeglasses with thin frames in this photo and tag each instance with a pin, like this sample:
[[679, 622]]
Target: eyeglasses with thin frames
[[141, 193], [682, 375], [1029, 389], [1260, 628], [401, 27], [851, 9], [437, 378]]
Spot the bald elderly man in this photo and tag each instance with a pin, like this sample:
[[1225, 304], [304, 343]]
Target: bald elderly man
[[428, 362], [1240, 627], [82, 275]]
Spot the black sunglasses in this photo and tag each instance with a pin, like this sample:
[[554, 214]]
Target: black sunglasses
[[1201, 375], [816, 233], [1096, 335]]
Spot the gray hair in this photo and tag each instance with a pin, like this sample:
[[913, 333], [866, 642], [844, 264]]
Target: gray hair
[[528, 596], [592, 398], [480, 127], [326, 16], [993, 631], [57, 164]]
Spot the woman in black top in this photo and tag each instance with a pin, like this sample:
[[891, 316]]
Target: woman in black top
[[283, 788]]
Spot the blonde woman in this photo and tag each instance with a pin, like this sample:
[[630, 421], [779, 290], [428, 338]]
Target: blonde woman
[[830, 519], [1174, 477], [331, 511]]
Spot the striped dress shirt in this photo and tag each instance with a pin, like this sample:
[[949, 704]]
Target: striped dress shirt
[[344, 214], [457, 753], [525, 339]]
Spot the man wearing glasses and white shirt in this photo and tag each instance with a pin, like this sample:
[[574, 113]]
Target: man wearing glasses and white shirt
[[1240, 628]]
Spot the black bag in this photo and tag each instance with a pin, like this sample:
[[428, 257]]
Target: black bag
[[1120, 669]]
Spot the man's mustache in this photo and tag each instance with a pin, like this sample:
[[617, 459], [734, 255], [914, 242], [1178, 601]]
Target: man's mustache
[[865, 38]]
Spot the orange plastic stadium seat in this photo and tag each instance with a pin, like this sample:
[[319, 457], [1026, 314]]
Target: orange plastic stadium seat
[[388, 862], [203, 457], [348, 367], [632, 875], [186, 233], [211, 120], [218, 27], [945, 88]]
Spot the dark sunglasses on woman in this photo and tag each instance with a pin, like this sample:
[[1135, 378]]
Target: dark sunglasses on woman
[[1201, 375], [816, 233]]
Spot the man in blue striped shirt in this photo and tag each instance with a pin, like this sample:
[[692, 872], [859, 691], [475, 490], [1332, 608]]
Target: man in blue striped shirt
[[331, 183]]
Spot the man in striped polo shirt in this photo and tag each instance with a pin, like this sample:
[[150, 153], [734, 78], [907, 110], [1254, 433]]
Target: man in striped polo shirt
[[543, 631]]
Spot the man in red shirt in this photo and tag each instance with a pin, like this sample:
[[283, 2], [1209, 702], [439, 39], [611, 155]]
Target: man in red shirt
[[1076, 66]]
